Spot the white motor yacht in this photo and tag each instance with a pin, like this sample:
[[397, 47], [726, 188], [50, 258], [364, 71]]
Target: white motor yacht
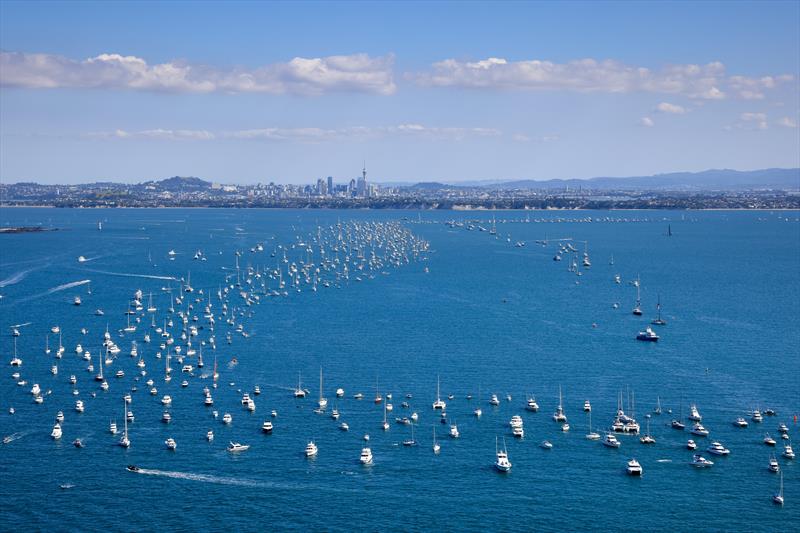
[[698, 461], [531, 404], [691, 445], [56, 433], [611, 441], [634, 468], [79, 406], [366, 456], [311, 449], [740, 422], [210, 435], [266, 427], [769, 441], [699, 430], [236, 447], [227, 418], [718, 449], [694, 414], [773, 465], [788, 452], [171, 444]]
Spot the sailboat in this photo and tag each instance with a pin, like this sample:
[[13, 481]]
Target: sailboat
[[385, 425], [778, 496], [559, 415], [647, 438], [323, 402], [125, 441], [299, 392], [678, 424], [657, 410], [659, 321], [411, 441], [637, 309], [592, 435], [439, 403], [436, 446]]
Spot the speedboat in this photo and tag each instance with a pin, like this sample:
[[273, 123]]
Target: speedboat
[[769, 441], [78, 443], [691, 445], [694, 414], [493, 400], [546, 445], [783, 429], [676, 424], [699, 430], [740, 422], [266, 427], [60, 417], [773, 465], [344, 426], [79, 406], [718, 449], [227, 418], [611, 441], [171, 444], [698, 461], [210, 435], [634, 468], [56, 433], [166, 417], [236, 447], [366, 456], [311, 449], [132, 468]]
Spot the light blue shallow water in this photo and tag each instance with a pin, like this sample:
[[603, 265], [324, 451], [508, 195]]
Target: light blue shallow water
[[487, 316]]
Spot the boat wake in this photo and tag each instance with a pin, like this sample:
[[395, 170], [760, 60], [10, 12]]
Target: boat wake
[[664, 460], [204, 478], [14, 436], [68, 286], [15, 278], [126, 275]]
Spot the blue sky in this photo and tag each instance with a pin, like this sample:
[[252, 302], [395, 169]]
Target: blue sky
[[288, 92]]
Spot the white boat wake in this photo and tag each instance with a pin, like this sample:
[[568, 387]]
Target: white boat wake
[[123, 274], [68, 286], [15, 278], [205, 478]]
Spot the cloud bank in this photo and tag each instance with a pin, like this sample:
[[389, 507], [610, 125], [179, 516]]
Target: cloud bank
[[308, 135], [310, 76], [708, 82]]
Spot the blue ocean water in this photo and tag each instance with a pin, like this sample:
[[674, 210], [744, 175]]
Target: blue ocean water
[[488, 317]]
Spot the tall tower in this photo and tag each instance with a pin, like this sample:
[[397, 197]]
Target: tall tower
[[361, 189]]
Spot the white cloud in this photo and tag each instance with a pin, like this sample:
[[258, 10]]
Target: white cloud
[[787, 122], [162, 134], [309, 135], [647, 122], [358, 72], [759, 120], [666, 107], [589, 75]]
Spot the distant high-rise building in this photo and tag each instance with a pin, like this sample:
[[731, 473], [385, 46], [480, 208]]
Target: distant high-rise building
[[351, 188], [361, 188], [330, 185], [322, 187]]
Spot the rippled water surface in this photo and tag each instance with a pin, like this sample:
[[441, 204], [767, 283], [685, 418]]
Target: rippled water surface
[[488, 317]]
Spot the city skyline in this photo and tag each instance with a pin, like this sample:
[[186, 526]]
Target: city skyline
[[542, 91]]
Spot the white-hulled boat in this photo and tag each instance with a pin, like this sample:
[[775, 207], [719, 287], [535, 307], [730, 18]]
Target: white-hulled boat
[[366, 456], [236, 447], [788, 452], [502, 464], [718, 449], [56, 433], [266, 427], [634, 468], [611, 441], [698, 461], [439, 403], [171, 444], [311, 449]]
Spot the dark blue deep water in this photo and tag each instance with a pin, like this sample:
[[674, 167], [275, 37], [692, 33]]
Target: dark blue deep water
[[487, 316]]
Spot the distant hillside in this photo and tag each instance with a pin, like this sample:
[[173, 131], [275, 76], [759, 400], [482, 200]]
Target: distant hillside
[[725, 179], [178, 183]]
